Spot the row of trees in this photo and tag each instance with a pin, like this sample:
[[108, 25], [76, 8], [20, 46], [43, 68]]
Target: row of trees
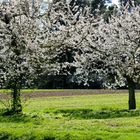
[[66, 78], [67, 55], [68, 39]]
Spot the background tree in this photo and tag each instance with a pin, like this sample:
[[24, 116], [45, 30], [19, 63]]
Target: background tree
[[109, 12], [21, 55], [117, 45], [99, 5], [76, 11], [68, 30], [124, 31], [29, 37], [69, 21], [130, 2]]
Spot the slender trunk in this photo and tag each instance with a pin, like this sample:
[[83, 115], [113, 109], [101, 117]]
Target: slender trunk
[[16, 101], [131, 88]]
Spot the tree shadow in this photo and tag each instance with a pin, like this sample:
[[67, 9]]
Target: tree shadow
[[16, 118], [98, 114], [26, 136]]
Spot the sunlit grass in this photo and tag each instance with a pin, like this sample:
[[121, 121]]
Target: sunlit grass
[[96, 102]]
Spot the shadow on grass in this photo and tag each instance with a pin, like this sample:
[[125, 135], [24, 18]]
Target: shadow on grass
[[28, 136], [100, 114], [18, 117]]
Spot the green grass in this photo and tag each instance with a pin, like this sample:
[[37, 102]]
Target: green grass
[[85, 117]]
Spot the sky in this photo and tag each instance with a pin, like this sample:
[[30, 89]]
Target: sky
[[115, 2]]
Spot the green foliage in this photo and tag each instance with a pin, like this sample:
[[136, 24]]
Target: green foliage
[[109, 12], [124, 2], [101, 4]]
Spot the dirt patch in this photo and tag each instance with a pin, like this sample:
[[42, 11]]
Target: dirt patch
[[68, 93], [73, 92]]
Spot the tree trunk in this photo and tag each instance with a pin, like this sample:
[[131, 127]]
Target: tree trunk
[[16, 101], [131, 88]]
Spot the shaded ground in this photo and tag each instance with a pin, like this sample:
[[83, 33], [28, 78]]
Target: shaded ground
[[67, 92]]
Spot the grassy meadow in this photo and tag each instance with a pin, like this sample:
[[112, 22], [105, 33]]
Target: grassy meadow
[[79, 117]]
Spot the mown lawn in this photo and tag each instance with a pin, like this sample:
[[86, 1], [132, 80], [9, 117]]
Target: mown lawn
[[83, 117]]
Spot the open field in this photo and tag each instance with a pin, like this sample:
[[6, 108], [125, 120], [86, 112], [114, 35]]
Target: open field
[[79, 117], [62, 92]]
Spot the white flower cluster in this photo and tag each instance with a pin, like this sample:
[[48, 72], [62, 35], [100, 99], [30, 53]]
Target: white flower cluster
[[32, 42]]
